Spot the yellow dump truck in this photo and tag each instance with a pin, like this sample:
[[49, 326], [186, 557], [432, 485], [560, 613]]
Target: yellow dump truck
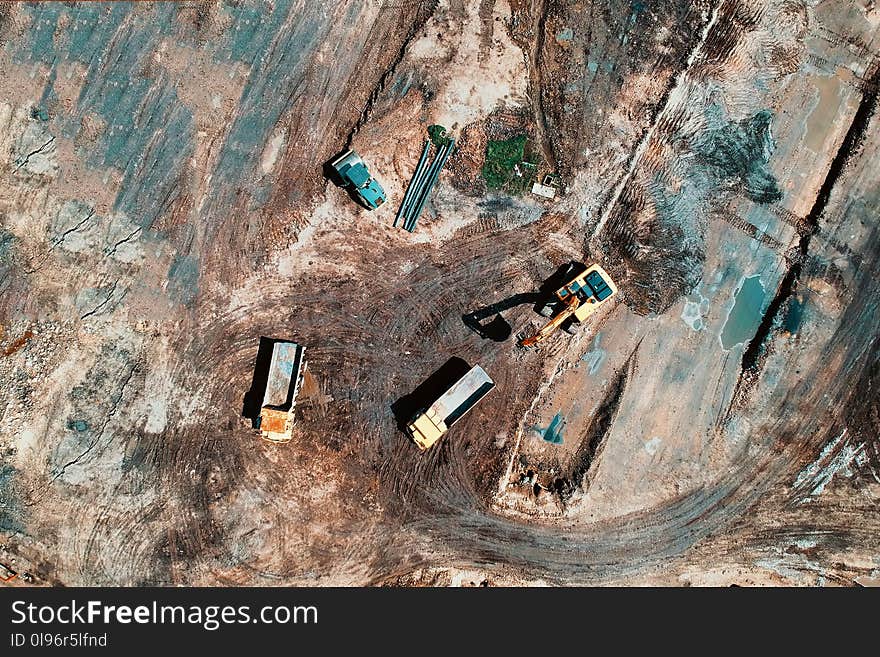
[[282, 387], [579, 298], [428, 425]]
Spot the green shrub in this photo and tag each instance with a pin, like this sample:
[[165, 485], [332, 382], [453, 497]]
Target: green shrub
[[437, 134], [501, 158]]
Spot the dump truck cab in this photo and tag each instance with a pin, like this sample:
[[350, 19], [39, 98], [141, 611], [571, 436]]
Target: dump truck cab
[[353, 173], [430, 424]]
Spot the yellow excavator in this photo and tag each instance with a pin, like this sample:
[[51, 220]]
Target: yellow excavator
[[579, 298]]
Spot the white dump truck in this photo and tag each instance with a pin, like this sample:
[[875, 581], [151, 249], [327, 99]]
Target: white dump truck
[[428, 425], [286, 371]]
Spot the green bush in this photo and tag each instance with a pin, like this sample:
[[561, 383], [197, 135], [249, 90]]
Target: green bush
[[437, 134], [501, 158]]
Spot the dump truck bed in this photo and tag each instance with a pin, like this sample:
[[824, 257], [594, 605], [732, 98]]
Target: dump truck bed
[[428, 427], [462, 396], [284, 375]]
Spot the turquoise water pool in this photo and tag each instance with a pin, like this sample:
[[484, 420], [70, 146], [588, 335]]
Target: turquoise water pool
[[744, 317]]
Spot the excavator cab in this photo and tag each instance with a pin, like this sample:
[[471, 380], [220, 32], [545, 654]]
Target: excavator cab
[[590, 288], [575, 302]]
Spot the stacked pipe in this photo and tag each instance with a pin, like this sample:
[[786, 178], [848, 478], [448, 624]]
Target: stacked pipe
[[425, 191], [421, 185], [413, 184]]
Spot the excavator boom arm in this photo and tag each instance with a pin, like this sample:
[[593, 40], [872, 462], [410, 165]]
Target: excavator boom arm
[[571, 306]]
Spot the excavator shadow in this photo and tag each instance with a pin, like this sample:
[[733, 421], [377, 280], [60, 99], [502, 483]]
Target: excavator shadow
[[253, 398], [428, 391], [498, 329]]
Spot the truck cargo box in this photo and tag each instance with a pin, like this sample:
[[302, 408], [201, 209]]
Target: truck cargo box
[[282, 386], [428, 426]]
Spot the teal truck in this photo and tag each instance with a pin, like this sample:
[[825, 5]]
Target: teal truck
[[355, 176]]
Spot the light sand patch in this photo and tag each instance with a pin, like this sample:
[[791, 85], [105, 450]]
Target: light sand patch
[[471, 86]]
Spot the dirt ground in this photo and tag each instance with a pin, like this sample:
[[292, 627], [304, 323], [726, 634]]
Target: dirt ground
[[163, 207]]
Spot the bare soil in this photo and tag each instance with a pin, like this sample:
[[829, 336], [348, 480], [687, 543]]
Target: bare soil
[[163, 206]]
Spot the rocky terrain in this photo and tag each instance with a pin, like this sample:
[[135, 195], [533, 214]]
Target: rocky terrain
[[163, 206]]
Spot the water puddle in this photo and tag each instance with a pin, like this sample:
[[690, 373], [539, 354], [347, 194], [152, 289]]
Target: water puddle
[[553, 432], [695, 309], [794, 316], [596, 356], [651, 446], [744, 317]]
